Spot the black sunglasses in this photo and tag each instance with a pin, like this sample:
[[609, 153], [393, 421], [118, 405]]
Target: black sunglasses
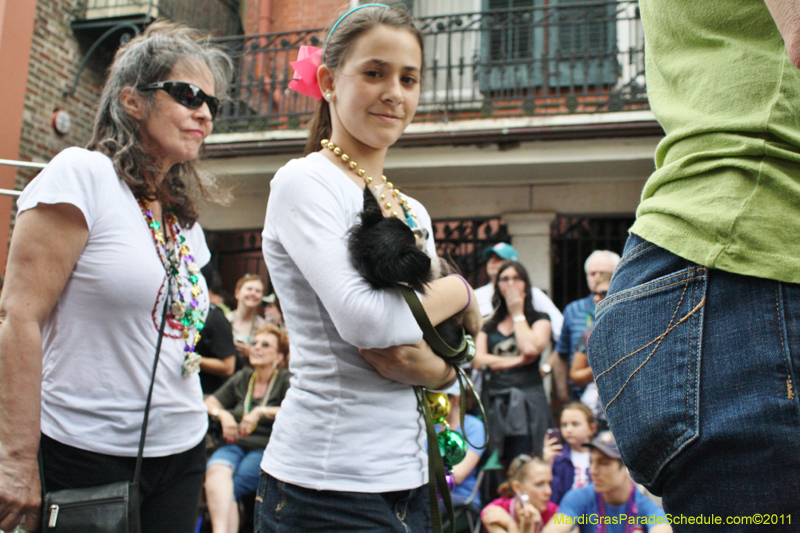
[[186, 94]]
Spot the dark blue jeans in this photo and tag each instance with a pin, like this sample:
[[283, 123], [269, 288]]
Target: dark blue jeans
[[285, 508], [697, 369]]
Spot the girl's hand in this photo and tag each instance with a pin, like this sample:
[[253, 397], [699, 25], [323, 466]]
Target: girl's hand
[[249, 422], [528, 517], [496, 519], [230, 429], [551, 449]]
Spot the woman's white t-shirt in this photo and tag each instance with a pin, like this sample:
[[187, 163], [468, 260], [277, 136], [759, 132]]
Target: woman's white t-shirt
[[341, 426], [99, 341]]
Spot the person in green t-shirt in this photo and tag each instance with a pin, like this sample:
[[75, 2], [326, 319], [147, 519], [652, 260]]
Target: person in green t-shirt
[[696, 349]]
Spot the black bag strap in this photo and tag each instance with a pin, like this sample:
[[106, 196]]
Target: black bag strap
[[139, 456]]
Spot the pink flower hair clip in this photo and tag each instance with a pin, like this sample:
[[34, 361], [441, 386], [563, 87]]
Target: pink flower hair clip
[[309, 58], [304, 80]]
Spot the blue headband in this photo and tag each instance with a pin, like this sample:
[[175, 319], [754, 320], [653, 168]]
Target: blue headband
[[333, 29]]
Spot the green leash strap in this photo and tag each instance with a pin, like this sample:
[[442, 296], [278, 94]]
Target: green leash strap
[[429, 333], [446, 352], [436, 475]]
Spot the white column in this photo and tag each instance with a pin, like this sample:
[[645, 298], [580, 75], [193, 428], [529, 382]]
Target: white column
[[530, 235]]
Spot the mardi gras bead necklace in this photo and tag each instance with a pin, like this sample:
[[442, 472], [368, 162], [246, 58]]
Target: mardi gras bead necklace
[[384, 191], [452, 446], [248, 399], [186, 310], [631, 510]]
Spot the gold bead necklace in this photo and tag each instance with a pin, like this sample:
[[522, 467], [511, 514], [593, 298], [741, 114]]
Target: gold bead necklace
[[385, 192]]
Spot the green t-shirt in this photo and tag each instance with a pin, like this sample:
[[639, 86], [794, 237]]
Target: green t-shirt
[[726, 190]]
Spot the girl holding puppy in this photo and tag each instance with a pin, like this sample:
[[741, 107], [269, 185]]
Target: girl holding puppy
[[348, 448], [571, 462], [524, 505]]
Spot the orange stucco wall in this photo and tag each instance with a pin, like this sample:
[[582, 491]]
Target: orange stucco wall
[[16, 32]]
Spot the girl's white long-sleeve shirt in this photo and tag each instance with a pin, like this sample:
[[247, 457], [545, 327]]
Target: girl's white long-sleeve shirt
[[342, 426]]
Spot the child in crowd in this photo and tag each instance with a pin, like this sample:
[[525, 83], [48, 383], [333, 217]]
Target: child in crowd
[[524, 505], [571, 465]]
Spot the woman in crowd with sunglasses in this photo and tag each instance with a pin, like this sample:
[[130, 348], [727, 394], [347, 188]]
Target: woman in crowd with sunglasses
[[105, 247], [509, 348], [246, 406]]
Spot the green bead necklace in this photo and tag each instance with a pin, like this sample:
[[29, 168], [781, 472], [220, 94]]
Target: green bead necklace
[[184, 309]]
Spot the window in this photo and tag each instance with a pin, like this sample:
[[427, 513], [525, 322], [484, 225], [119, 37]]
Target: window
[[583, 45], [511, 37], [553, 43]]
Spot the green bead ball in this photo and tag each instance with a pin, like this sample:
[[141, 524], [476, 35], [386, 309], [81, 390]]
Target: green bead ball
[[452, 446]]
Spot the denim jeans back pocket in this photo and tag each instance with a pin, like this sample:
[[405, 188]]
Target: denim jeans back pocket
[[645, 354]]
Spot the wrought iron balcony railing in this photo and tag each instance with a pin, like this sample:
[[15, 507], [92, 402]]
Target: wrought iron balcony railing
[[573, 56]]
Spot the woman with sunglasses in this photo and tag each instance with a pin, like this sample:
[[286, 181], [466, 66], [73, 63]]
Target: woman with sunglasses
[[509, 348], [105, 248]]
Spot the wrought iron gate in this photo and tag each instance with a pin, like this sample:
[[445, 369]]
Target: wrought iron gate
[[573, 238]]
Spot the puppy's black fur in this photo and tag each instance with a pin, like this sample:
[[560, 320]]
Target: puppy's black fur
[[384, 251]]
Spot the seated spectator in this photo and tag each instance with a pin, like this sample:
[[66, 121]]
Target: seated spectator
[[580, 372], [465, 472], [524, 505], [245, 320], [217, 352], [611, 497], [571, 465], [245, 406]]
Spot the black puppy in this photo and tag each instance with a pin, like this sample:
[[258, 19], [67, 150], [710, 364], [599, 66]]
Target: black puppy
[[384, 251]]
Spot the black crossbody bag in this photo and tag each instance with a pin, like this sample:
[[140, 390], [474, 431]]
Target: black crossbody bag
[[112, 508]]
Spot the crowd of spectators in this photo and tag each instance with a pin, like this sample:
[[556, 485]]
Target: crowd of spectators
[[244, 375]]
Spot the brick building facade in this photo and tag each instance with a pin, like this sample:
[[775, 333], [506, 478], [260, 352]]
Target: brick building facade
[[54, 60]]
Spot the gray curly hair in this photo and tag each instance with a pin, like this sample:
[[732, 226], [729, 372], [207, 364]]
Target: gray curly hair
[[145, 59]]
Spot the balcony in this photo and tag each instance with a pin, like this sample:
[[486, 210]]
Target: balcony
[[567, 58]]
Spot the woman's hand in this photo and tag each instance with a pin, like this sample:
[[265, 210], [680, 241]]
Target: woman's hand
[[20, 494], [230, 429], [413, 364], [494, 362], [249, 422], [551, 450], [244, 349], [506, 362], [515, 300]]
